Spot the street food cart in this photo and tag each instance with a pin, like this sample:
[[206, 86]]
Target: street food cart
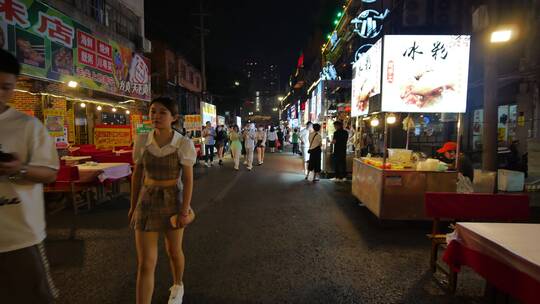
[[418, 74]]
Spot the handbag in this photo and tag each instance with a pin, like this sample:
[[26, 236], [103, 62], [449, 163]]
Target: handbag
[[174, 219]]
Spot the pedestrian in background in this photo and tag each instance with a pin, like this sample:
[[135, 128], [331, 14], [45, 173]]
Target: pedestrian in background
[[236, 146], [272, 138], [304, 139], [209, 134], [221, 136], [295, 140], [315, 151], [243, 138], [163, 158], [339, 140], [249, 139], [28, 159], [280, 137], [261, 144]]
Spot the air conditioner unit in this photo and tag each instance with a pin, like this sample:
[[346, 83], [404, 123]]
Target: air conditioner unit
[[414, 13], [446, 12]]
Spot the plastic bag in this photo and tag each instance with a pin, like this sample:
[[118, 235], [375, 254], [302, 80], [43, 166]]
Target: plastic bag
[[464, 184]]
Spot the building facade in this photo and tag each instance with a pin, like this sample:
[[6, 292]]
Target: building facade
[[83, 69]]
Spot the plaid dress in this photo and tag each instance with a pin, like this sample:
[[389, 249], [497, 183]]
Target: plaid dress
[[157, 204]]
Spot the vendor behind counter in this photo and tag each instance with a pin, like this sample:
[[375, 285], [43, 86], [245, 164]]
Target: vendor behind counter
[[447, 154]]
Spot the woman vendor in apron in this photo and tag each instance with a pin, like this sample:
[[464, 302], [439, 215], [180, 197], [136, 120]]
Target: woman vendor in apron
[[162, 186]]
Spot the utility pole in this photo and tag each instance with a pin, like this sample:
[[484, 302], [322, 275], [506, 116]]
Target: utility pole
[[490, 130], [203, 32]]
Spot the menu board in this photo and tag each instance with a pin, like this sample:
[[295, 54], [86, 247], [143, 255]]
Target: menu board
[[193, 122], [425, 73], [108, 137]]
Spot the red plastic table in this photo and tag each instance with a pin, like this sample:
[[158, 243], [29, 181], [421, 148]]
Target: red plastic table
[[506, 255]]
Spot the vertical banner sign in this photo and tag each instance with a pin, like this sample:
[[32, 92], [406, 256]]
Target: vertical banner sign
[[70, 122], [136, 119], [52, 46]]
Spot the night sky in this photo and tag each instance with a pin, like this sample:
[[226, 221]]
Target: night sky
[[271, 31]]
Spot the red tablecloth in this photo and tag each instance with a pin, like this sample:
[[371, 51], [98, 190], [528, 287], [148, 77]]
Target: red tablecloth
[[507, 257]]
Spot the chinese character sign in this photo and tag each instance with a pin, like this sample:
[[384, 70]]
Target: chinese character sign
[[51, 45], [426, 74], [108, 137], [366, 80]]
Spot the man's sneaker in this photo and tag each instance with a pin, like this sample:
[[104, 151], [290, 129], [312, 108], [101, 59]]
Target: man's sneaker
[[177, 293], [335, 179], [207, 165], [344, 179], [236, 169], [249, 168]]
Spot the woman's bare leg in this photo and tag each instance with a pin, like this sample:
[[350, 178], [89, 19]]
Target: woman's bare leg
[[173, 244], [147, 253]]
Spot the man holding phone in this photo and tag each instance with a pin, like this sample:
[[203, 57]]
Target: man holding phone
[[28, 159]]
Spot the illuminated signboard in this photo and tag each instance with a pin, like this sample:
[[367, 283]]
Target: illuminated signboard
[[425, 73], [208, 112], [366, 80], [369, 23]]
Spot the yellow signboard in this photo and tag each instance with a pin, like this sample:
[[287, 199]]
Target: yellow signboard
[[108, 137], [193, 122]]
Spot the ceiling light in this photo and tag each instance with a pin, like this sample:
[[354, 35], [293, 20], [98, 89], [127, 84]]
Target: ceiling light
[[114, 109], [72, 84], [99, 108], [83, 105]]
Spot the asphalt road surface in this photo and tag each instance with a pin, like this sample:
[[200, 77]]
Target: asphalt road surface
[[266, 236]]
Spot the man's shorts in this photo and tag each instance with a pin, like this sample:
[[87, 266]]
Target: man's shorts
[[305, 154], [25, 276]]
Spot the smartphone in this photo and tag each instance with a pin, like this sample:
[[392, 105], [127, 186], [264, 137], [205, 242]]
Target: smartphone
[[6, 157]]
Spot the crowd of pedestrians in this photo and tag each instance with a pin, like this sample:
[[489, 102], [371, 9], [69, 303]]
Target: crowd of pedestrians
[[254, 141]]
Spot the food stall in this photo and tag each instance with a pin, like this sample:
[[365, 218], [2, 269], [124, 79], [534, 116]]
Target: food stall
[[330, 101], [420, 76]]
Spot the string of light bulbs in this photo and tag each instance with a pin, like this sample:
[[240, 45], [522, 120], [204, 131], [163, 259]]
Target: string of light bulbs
[[82, 102]]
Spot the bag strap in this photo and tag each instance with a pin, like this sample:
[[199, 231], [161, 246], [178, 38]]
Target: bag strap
[[311, 140]]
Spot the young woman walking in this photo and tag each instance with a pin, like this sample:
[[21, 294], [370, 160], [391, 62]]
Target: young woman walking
[[272, 138], [261, 144], [315, 151], [221, 137], [162, 186], [236, 146]]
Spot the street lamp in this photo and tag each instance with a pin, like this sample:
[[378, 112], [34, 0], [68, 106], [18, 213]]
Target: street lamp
[[501, 36], [237, 83]]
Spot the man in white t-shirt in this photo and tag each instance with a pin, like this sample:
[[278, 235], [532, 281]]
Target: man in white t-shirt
[[304, 139], [28, 159]]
